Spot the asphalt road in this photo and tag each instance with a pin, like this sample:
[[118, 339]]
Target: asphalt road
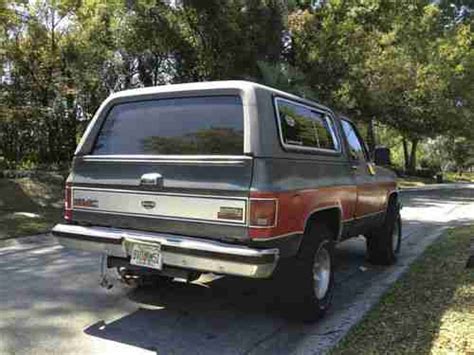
[[50, 300]]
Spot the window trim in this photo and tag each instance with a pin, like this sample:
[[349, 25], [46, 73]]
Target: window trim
[[327, 115], [365, 151]]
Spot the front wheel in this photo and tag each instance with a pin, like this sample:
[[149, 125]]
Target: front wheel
[[383, 246]]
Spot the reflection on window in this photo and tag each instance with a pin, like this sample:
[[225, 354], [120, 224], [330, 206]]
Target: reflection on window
[[181, 126], [355, 145], [303, 127], [214, 140]]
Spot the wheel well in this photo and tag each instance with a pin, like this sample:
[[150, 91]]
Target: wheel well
[[392, 198], [331, 217]]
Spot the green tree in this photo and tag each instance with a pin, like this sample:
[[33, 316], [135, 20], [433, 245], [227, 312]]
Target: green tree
[[229, 38], [378, 60], [35, 88], [408, 65]]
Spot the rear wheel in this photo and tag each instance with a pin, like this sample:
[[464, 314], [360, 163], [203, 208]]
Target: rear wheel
[[383, 246], [310, 279]]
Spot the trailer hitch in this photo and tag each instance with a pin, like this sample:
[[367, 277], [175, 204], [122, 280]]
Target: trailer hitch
[[106, 279]]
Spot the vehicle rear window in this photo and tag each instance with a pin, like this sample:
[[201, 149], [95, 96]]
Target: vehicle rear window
[[179, 126], [303, 127]]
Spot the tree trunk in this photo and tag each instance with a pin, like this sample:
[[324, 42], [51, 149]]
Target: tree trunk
[[412, 160], [371, 137], [405, 154]]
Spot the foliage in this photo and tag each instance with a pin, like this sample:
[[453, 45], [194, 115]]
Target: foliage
[[461, 153], [37, 103], [448, 153], [60, 59], [285, 77], [406, 66], [396, 64]]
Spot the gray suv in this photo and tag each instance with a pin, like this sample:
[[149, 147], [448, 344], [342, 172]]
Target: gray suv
[[231, 178]]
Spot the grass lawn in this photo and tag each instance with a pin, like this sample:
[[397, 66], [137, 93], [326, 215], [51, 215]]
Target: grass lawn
[[449, 177], [466, 177], [429, 310], [29, 205], [414, 181]]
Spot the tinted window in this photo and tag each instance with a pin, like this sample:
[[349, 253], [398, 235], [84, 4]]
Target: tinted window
[[356, 145], [304, 127], [200, 125]]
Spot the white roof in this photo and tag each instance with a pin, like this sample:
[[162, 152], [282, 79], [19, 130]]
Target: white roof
[[204, 85], [246, 86]]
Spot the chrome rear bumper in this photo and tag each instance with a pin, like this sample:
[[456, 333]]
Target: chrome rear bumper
[[177, 251]]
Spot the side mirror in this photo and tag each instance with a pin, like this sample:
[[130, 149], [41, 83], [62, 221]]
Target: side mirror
[[382, 156]]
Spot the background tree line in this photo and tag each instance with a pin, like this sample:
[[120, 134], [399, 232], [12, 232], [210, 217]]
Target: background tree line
[[403, 69]]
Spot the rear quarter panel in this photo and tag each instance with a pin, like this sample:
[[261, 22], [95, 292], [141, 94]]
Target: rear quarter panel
[[303, 182]]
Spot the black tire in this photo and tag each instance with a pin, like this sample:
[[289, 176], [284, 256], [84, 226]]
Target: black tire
[[383, 246], [306, 300]]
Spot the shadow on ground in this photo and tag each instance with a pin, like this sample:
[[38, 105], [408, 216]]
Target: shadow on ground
[[224, 315], [231, 313], [227, 313]]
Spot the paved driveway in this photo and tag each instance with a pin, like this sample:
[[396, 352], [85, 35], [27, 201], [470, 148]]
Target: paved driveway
[[50, 301]]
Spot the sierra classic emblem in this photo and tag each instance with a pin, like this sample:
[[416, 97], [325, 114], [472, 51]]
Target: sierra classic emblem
[[148, 204]]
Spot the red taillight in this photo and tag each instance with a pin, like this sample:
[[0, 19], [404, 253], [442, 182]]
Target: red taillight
[[263, 213], [68, 202]]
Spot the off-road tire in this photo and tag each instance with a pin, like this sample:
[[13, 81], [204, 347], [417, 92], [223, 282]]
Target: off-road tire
[[382, 248]]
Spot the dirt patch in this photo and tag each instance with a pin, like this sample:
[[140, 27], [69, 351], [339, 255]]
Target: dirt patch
[[29, 205]]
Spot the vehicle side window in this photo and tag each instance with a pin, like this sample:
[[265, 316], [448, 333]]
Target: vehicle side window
[[306, 128], [356, 145]]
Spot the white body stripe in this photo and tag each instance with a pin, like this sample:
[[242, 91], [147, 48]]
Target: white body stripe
[[165, 205]]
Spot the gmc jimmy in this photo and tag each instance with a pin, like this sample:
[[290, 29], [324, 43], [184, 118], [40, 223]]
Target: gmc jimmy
[[231, 178]]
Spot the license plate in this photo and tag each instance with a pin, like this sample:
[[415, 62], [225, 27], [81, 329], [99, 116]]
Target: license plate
[[147, 256]]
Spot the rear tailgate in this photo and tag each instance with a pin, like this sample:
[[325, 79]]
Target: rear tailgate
[[173, 165]]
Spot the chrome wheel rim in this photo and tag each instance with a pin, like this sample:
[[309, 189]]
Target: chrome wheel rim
[[321, 272], [395, 236]]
